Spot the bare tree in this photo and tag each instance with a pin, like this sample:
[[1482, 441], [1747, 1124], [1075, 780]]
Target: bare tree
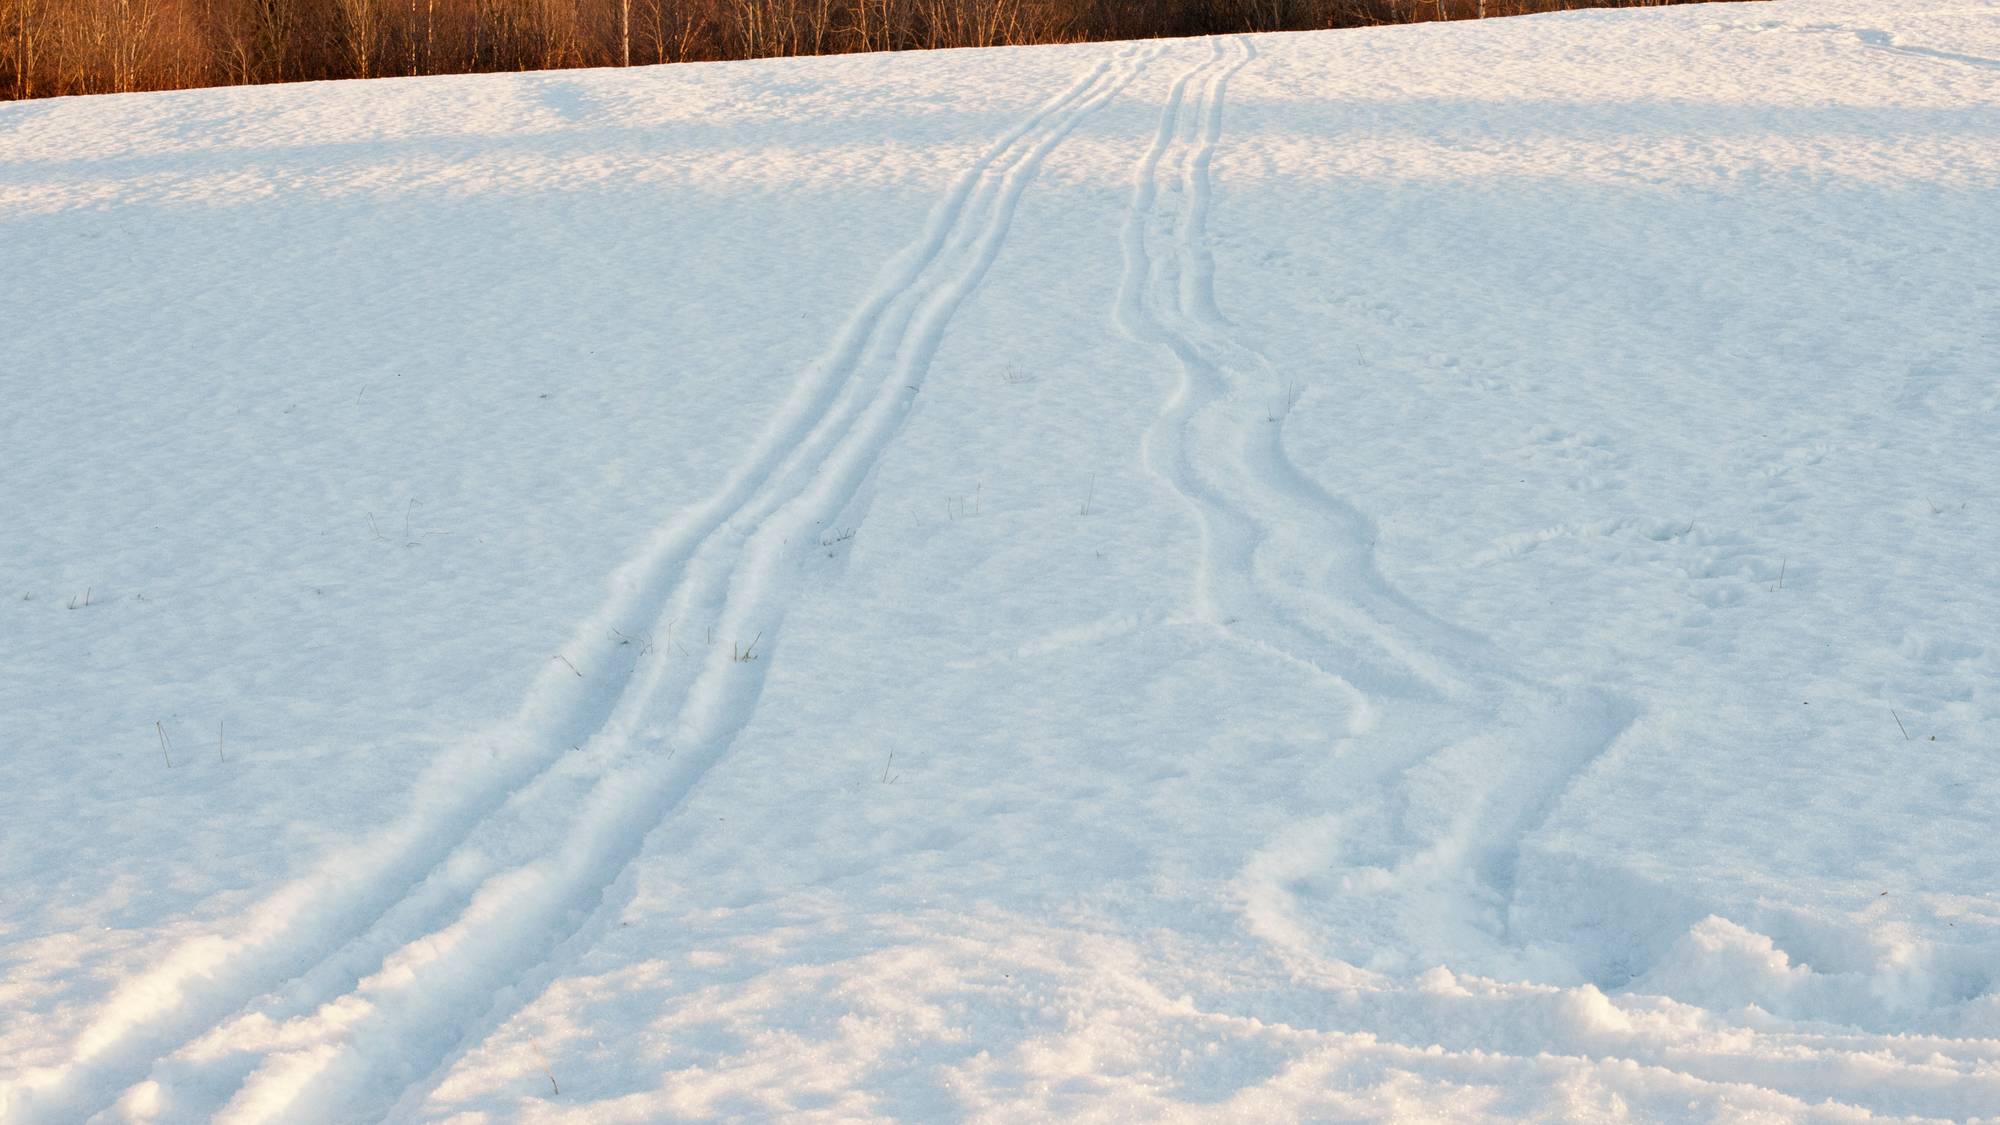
[[131, 40], [27, 27], [360, 32]]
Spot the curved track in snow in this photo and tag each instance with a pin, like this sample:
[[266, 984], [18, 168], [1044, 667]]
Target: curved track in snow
[[1287, 569]]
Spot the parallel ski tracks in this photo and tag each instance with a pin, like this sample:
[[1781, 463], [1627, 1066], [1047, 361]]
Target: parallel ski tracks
[[343, 994]]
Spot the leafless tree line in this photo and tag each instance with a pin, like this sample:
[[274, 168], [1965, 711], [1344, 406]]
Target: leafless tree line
[[55, 47]]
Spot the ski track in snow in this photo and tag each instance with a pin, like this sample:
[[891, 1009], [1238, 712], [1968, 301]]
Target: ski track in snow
[[463, 904], [1287, 570]]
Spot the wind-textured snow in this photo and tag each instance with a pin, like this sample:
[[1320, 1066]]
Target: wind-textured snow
[[1444, 572]]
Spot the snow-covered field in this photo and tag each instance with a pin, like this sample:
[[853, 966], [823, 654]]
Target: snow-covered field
[[1428, 573]]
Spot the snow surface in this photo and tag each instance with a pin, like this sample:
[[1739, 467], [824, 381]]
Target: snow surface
[[1427, 573]]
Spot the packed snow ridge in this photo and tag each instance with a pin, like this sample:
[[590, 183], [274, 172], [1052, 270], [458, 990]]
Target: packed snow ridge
[[1429, 573]]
